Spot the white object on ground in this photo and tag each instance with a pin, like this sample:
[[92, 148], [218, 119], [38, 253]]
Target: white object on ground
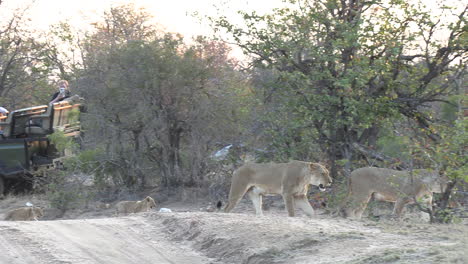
[[222, 153], [165, 210], [28, 204]]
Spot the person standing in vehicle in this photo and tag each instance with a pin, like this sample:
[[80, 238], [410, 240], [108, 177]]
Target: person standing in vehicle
[[3, 112], [63, 92]]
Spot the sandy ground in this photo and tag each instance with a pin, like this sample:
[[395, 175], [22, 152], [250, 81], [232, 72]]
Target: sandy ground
[[189, 236]]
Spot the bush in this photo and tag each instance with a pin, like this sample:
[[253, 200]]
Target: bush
[[67, 191]]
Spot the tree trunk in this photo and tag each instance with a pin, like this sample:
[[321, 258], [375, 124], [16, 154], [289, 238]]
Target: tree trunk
[[174, 155], [441, 215]]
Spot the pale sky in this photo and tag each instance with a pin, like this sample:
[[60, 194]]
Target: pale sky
[[173, 15]]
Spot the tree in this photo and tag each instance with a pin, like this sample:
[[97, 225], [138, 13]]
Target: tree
[[343, 68], [23, 73], [448, 156], [154, 102]]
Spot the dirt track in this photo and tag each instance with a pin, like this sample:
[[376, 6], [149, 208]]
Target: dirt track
[[110, 240], [198, 237]]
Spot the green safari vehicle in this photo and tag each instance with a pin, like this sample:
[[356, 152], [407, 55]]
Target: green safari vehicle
[[25, 150]]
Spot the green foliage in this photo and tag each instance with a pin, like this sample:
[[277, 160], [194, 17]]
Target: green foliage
[[104, 169], [156, 103], [447, 216], [340, 69], [450, 111], [61, 141], [86, 161], [24, 65], [449, 154], [73, 116], [394, 146], [64, 192], [338, 198], [287, 139]]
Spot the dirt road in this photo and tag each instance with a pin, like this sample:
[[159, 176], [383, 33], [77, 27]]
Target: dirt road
[[109, 240], [201, 237]]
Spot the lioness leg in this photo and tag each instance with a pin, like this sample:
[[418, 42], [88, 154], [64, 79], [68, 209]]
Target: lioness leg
[[232, 202], [400, 205], [427, 199], [289, 202], [238, 189], [359, 202], [256, 200], [302, 203]]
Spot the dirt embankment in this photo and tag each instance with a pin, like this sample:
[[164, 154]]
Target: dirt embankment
[[201, 237], [243, 238], [190, 236]]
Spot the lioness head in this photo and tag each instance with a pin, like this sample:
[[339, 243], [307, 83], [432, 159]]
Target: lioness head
[[439, 184], [149, 202], [436, 181], [321, 176], [38, 212]]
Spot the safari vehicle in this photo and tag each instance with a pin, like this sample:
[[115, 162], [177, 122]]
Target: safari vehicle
[[25, 149]]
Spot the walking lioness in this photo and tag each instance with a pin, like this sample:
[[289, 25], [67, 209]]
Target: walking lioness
[[291, 180], [390, 186]]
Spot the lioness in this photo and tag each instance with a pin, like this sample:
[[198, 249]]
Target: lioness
[[128, 207], [27, 213], [291, 180], [390, 186]]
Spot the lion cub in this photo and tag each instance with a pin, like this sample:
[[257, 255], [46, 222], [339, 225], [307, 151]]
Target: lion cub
[[129, 207], [27, 213]]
